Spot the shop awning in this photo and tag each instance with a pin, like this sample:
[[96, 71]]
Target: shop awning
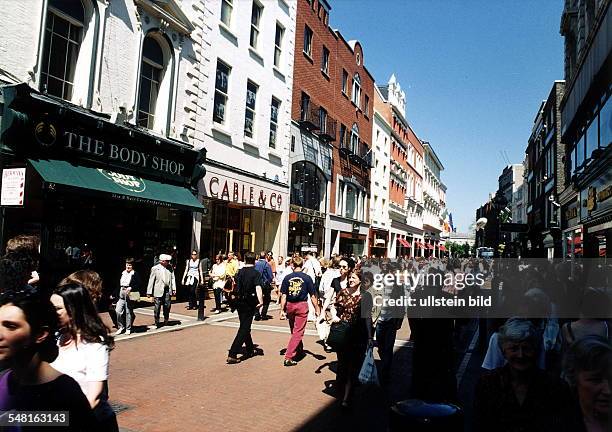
[[63, 174], [404, 243], [443, 248]]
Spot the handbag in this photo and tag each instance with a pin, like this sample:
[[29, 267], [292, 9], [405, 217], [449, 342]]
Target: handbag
[[368, 373], [338, 335], [134, 296]]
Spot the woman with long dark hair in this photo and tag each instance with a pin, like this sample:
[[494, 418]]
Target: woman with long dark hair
[[27, 346], [84, 348]]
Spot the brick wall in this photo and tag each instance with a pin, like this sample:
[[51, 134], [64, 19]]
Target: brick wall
[[326, 90]]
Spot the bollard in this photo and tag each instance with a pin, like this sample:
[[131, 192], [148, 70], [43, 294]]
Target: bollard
[[414, 415]]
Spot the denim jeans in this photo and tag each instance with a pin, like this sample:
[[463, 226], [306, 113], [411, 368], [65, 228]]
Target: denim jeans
[[124, 310], [217, 293]]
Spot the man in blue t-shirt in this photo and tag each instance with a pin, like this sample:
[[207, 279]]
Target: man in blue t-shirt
[[296, 289]]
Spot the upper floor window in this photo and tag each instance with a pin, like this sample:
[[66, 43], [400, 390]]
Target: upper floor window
[[342, 135], [355, 138], [344, 81], [227, 6], [63, 37], [308, 41], [322, 120], [249, 113], [366, 105], [356, 96], [256, 12], [221, 91], [151, 75], [325, 61], [278, 43], [304, 106], [274, 108]]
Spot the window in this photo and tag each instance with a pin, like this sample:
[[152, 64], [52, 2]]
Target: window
[[278, 43], [325, 61], [151, 70], [580, 152], [256, 12], [356, 97], [249, 113], [354, 138], [305, 107], [274, 108], [592, 138], [63, 37], [292, 143], [366, 105], [342, 135], [308, 186], [322, 120], [351, 202], [226, 12], [605, 124], [307, 41], [344, 81], [221, 90]]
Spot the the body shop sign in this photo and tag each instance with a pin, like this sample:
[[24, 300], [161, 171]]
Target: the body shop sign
[[13, 186], [243, 192]]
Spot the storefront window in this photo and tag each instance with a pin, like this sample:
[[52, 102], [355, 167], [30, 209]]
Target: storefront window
[[308, 186]]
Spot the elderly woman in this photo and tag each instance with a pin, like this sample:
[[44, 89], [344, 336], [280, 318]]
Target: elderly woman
[[588, 369], [519, 396]]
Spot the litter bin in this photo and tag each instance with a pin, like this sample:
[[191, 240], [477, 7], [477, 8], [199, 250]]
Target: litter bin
[[414, 415]]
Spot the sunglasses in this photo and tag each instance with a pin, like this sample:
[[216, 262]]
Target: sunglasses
[[344, 266]]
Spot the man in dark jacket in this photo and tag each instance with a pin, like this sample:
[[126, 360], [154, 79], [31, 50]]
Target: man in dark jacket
[[250, 297], [263, 267]]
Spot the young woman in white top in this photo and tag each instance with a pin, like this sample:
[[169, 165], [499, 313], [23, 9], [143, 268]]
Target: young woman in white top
[[84, 347], [218, 274]]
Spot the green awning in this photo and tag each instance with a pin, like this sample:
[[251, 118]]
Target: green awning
[[62, 174]]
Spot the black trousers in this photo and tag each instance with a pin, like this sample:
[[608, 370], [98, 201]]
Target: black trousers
[[243, 336], [164, 301], [267, 298], [193, 300]]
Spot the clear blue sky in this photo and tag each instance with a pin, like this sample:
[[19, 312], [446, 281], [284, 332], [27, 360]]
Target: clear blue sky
[[474, 73]]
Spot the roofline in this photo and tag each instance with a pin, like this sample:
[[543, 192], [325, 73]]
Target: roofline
[[351, 49], [433, 152]]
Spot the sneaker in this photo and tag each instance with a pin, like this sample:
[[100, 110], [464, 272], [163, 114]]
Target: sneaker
[[120, 331], [232, 360], [289, 362], [128, 332], [218, 311]]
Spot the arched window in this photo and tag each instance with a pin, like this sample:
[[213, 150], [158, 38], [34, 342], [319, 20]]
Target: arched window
[[152, 68], [356, 96], [355, 138], [63, 38]]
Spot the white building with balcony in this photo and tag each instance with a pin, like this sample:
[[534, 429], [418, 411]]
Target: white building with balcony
[[434, 192]]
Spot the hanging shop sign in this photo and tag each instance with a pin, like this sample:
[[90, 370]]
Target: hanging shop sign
[[240, 192], [13, 186]]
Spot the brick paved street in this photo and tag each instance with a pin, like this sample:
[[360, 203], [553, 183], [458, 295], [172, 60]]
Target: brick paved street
[[176, 379]]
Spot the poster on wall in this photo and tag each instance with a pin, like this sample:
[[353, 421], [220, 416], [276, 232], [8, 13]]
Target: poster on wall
[[13, 186]]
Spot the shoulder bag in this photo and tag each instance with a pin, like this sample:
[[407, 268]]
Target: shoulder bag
[[338, 337]]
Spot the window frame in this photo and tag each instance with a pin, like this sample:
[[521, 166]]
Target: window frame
[[278, 42], [227, 5], [344, 82], [274, 122], [325, 61], [356, 93], [219, 91], [152, 104], [308, 34], [248, 109], [255, 30]]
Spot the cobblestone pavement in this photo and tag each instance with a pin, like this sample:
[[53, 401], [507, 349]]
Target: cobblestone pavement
[[176, 379]]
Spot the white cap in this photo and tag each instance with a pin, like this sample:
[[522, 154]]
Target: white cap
[[165, 257]]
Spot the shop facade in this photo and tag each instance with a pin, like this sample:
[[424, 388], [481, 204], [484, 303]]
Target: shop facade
[[244, 213], [107, 190], [596, 214], [379, 243]]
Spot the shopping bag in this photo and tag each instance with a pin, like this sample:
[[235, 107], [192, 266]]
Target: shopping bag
[[134, 296], [368, 373], [338, 335], [322, 327]]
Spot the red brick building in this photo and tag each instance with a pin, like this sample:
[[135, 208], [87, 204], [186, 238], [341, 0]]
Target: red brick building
[[330, 157]]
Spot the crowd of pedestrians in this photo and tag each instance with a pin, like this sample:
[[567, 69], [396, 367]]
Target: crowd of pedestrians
[[540, 371]]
